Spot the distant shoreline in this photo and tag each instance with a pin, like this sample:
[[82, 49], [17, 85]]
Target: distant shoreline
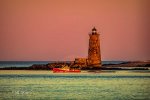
[[132, 65]]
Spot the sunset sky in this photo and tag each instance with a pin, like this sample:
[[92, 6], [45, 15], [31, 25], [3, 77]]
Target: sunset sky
[[58, 29]]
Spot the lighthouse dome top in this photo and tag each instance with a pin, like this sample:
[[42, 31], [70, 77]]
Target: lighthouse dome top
[[94, 31]]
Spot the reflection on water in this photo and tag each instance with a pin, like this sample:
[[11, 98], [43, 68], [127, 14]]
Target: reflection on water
[[104, 85]]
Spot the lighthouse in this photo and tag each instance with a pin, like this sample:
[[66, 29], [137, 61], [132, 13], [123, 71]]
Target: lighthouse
[[93, 61], [94, 55]]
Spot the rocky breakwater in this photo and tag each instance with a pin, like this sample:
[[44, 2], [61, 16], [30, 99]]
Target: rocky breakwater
[[131, 65]]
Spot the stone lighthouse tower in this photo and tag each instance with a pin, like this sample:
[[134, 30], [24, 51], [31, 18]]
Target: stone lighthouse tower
[[94, 56]]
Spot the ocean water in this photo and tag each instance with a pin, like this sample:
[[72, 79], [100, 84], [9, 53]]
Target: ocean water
[[30, 63], [20, 63], [46, 85]]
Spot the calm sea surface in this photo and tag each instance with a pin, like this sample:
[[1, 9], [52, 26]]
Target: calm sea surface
[[45, 85]]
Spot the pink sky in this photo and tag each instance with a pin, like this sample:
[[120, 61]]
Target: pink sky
[[58, 29]]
